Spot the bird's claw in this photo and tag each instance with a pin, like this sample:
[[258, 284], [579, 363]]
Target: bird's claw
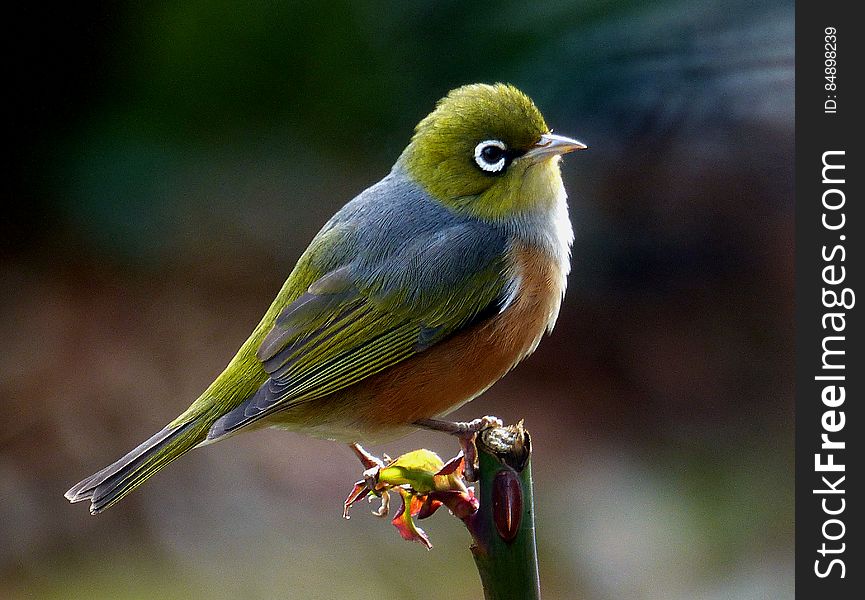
[[466, 432], [468, 436], [475, 426]]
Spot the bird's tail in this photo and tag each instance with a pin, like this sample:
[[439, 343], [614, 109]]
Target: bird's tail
[[112, 483]]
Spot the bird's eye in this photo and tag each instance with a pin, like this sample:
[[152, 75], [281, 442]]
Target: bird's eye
[[491, 155]]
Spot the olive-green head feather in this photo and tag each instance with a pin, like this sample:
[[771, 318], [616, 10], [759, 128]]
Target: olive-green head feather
[[486, 150]]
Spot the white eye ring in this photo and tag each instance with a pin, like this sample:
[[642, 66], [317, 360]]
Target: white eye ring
[[482, 162]]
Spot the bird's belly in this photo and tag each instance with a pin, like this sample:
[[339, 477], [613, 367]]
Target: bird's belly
[[448, 374]]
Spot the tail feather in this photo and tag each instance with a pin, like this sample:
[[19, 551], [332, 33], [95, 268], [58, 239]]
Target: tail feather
[[115, 481]]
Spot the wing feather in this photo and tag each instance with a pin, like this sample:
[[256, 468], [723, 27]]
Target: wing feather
[[349, 325]]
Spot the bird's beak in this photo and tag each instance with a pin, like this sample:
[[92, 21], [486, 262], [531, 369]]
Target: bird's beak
[[552, 144]]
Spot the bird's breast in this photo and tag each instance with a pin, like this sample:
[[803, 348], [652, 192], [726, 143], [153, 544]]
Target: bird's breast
[[532, 309]]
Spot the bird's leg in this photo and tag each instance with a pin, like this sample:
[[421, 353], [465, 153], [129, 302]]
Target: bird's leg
[[466, 433]]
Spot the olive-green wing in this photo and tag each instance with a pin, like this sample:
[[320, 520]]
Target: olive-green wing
[[347, 326], [332, 337]]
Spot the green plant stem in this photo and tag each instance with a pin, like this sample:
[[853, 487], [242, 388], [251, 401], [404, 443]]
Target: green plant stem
[[503, 529]]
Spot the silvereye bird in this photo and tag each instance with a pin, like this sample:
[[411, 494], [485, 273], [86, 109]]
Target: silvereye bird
[[413, 299]]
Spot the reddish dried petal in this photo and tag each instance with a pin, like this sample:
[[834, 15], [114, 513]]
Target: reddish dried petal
[[507, 504], [360, 491], [405, 524], [453, 466], [417, 502], [461, 504], [367, 460], [429, 506]]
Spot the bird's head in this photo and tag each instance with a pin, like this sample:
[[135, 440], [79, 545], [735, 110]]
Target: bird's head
[[486, 151]]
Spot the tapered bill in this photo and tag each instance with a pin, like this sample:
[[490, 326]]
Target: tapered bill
[[552, 144]]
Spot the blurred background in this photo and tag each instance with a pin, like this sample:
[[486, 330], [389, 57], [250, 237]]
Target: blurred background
[[170, 161]]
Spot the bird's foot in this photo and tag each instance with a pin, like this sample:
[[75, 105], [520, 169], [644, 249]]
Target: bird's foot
[[466, 432]]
